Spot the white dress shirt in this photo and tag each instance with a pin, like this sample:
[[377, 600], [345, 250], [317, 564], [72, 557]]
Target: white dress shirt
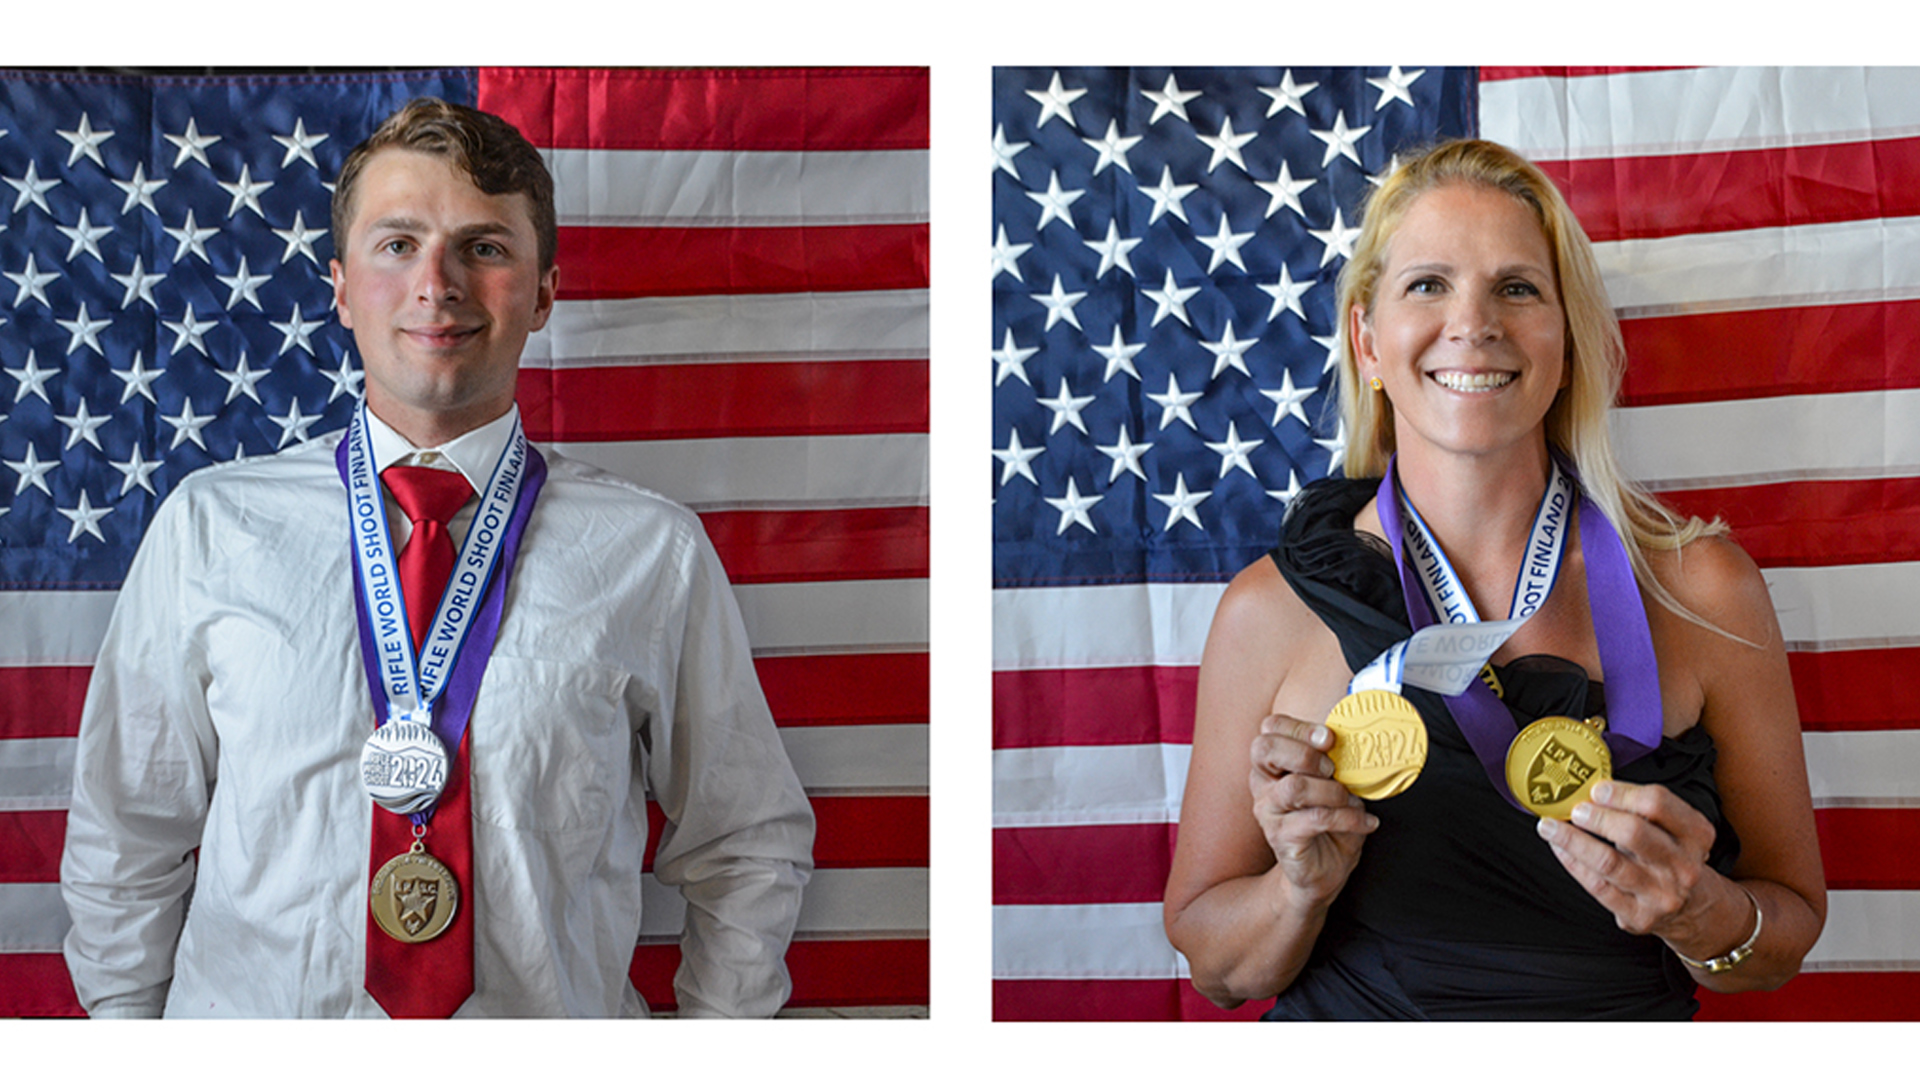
[[229, 705]]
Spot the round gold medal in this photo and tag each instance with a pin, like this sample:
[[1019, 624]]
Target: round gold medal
[[1554, 762], [414, 896], [1380, 744]]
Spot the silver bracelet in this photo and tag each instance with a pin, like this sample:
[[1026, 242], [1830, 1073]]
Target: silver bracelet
[[1740, 952]]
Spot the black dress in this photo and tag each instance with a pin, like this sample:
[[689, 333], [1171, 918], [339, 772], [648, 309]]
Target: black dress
[[1457, 909]]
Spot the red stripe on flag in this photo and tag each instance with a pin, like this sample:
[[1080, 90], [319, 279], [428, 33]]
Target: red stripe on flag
[[845, 688], [1111, 999], [805, 109], [36, 984], [1856, 689], [856, 544], [1855, 843], [1739, 189], [42, 702], [1841, 690], [803, 691], [614, 263], [825, 973], [30, 845], [1128, 864], [1770, 352], [1495, 74], [851, 831], [1090, 864], [710, 401], [1093, 706], [1818, 995], [1815, 523], [1823, 995]]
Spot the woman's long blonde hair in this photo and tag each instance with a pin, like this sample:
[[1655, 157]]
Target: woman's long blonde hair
[[1596, 357]]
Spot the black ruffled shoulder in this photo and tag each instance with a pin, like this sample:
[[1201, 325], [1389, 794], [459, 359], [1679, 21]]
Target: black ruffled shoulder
[[1348, 578]]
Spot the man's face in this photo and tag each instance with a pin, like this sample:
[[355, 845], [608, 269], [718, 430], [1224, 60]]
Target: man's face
[[440, 284]]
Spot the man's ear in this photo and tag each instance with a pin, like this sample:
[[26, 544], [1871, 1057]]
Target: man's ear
[[338, 274], [543, 298]]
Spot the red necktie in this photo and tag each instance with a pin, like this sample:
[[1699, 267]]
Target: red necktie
[[428, 978]]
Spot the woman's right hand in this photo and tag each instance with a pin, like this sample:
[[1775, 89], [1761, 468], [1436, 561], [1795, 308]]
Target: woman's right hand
[[1314, 825]]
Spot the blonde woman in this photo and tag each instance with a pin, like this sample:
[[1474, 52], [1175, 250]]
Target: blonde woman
[[1479, 360]]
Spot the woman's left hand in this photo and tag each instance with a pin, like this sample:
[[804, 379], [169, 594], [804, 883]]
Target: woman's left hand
[[1654, 877]]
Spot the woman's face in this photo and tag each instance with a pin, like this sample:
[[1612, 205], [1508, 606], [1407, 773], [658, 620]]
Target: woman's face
[[1467, 332]]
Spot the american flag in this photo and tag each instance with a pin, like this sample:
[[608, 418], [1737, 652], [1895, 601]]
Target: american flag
[[741, 325], [1165, 250]]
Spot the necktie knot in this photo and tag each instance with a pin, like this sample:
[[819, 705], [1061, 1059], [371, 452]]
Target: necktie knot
[[427, 494]]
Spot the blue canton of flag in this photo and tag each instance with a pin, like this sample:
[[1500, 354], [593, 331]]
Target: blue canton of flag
[[165, 302], [1166, 245]]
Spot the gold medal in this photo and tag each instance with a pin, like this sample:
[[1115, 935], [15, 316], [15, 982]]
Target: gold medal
[[414, 896], [1554, 762], [1381, 743]]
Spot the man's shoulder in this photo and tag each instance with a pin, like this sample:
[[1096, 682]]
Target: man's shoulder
[[290, 473], [572, 482]]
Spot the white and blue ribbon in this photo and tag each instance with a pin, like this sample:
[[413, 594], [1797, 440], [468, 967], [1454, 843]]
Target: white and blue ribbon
[[412, 684], [1447, 656]]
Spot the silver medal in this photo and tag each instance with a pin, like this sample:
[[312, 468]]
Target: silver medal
[[404, 766]]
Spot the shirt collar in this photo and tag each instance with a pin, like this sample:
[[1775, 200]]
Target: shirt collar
[[473, 454]]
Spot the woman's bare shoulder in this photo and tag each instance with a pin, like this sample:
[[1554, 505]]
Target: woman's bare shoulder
[[1260, 605], [1715, 579]]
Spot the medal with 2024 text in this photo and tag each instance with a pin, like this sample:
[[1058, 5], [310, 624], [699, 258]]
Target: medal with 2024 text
[[405, 763]]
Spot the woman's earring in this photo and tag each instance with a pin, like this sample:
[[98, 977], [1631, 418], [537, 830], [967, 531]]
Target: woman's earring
[[1374, 384]]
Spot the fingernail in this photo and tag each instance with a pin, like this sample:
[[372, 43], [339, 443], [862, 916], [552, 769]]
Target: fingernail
[[1372, 822], [1603, 793], [1547, 828], [1326, 766], [1320, 738], [1582, 813]]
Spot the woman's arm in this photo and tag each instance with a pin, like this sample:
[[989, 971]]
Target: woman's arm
[[1266, 839], [1654, 878]]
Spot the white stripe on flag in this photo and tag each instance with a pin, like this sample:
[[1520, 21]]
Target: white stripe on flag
[[1865, 435], [1083, 941], [1868, 930], [42, 628], [33, 918], [1143, 783], [775, 473], [830, 759], [738, 187], [849, 903], [859, 759], [887, 324], [781, 617], [1820, 607], [1841, 262], [1089, 785], [1705, 110], [1863, 768], [1845, 607], [881, 615], [1102, 625], [36, 774], [1865, 930]]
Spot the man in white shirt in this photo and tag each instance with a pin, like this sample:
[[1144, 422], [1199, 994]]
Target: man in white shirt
[[224, 744]]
